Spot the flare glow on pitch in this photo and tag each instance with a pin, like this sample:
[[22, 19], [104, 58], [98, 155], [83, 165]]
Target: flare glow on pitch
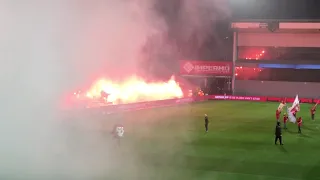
[[135, 89]]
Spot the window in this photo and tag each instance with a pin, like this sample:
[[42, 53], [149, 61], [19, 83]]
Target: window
[[269, 74], [279, 39], [278, 53]]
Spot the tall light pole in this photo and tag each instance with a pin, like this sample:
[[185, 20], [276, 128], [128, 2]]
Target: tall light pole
[[234, 59]]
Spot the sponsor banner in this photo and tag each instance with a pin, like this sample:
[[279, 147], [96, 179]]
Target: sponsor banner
[[239, 98], [278, 99], [316, 100], [260, 98], [203, 68], [288, 100]]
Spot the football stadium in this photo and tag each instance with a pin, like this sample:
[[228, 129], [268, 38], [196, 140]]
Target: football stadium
[[158, 90], [166, 129], [171, 143]]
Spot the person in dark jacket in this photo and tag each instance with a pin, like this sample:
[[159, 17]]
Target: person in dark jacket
[[206, 122], [285, 119], [299, 122], [278, 134]]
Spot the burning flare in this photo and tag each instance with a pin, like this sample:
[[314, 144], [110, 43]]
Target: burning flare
[[134, 89]]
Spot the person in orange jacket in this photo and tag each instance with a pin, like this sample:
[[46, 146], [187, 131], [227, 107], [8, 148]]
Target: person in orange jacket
[[299, 122], [278, 112]]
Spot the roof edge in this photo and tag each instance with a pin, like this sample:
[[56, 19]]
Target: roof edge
[[277, 20]]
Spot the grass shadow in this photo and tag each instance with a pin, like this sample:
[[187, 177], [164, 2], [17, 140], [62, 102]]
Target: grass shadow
[[295, 132], [313, 173], [283, 149], [291, 132], [307, 128], [305, 135]]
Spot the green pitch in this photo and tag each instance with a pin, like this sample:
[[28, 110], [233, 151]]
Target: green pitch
[[170, 143]]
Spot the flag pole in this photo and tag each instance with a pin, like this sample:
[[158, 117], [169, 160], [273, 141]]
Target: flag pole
[[316, 104]]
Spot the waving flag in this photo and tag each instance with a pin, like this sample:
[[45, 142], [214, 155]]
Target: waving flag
[[293, 109]]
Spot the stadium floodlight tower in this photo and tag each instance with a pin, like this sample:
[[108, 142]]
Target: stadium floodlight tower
[[269, 50]]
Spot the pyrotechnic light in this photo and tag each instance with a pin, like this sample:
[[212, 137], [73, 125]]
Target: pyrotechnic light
[[134, 89], [251, 55]]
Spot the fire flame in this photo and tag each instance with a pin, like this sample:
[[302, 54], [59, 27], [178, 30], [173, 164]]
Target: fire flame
[[134, 89]]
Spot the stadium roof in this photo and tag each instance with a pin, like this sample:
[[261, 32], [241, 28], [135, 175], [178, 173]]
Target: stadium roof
[[277, 20]]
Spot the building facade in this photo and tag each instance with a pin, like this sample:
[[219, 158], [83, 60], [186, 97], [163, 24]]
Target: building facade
[[276, 58]]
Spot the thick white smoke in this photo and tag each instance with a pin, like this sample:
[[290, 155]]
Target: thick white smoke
[[48, 48], [191, 32]]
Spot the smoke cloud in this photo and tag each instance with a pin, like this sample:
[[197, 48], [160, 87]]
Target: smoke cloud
[[49, 48]]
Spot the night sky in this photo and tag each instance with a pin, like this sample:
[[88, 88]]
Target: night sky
[[275, 9]]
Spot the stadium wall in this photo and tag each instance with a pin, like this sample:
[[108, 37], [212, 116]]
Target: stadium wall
[[277, 88]]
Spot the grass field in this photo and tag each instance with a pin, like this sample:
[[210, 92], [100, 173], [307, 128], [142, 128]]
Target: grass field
[[170, 143]]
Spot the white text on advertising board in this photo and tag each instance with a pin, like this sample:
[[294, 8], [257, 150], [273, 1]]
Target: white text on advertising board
[[238, 98], [220, 69]]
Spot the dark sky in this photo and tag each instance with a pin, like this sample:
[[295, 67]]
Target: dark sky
[[275, 9], [216, 45]]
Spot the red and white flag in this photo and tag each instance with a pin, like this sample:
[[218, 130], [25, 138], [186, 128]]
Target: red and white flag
[[294, 109]]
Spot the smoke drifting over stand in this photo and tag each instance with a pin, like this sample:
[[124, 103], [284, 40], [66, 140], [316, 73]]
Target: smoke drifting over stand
[[191, 29], [48, 48]]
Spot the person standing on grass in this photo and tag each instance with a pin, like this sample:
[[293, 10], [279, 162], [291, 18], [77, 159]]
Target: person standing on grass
[[295, 110], [278, 134], [118, 132], [285, 119], [299, 122], [295, 113], [313, 111], [206, 122], [278, 112]]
